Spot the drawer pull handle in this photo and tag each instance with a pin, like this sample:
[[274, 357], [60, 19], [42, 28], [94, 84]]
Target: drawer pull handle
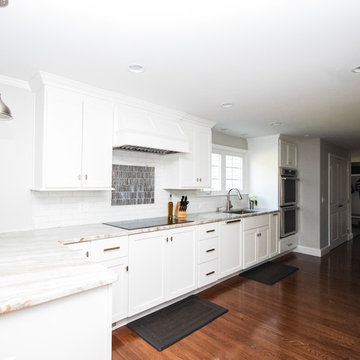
[[87, 254], [210, 273], [113, 248], [232, 221], [210, 250], [210, 231]]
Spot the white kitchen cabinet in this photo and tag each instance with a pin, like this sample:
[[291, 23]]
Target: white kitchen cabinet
[[230, 247], [113, 254], [147, 263], [181, 262], [288, 154], [274, 221], [73, 140], [162, 266], [120, 294], [249, 247], [191, 170], [256, 239]]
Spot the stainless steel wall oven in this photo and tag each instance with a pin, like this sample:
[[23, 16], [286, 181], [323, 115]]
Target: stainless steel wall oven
[[288, 202]]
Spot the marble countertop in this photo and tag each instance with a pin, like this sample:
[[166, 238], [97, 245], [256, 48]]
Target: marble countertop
[[37, 270], [35, 267]]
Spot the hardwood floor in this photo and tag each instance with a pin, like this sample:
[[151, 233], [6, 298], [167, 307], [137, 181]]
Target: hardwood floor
[[312, 314]]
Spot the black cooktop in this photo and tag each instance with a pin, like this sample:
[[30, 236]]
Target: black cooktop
[[147, 223]]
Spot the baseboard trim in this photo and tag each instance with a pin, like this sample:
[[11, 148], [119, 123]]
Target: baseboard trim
[[308, 250]]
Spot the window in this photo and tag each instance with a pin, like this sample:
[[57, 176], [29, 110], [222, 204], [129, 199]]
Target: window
[[227, 169]]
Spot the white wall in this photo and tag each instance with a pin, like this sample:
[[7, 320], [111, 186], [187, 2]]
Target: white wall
[[22, 209], [264, 170], [309, 192], [16, 159], [229, 140]]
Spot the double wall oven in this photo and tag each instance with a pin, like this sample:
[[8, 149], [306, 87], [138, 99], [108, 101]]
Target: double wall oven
[[288, 202]]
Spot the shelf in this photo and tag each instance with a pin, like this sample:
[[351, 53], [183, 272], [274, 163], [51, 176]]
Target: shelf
[[71, 189]]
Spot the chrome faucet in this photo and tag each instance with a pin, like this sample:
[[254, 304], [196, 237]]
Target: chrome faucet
[[228, 202]]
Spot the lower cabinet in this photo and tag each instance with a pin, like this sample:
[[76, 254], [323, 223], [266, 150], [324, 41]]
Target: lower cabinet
[[256, 240], [230, 247], [274, 246], [162, 267]]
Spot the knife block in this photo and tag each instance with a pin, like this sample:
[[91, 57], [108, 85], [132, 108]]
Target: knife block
[[178, 213]]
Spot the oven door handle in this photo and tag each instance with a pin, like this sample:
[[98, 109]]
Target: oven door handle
[[289, 178]]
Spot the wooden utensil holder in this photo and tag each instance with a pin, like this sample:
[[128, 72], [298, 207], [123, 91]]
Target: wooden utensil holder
[[179, 213]]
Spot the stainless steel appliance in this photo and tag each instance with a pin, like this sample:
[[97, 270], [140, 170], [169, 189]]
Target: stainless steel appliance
[[288, 202], [288, 220], [288, 187]]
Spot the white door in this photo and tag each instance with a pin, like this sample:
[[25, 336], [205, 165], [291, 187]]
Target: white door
[[146, 270], [249, 247], [262, 244], [291, 155], [274, 234], [202, 151], [230, 247], [120, 290], [181, 262], [63, 139], [338, 199], [97, 143]]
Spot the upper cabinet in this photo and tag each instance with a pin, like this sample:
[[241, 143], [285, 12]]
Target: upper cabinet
[[73, 140], [191, 170], [288, 154]]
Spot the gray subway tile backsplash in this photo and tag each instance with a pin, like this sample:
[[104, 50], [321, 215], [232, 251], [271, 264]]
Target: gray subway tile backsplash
[[133, 185]]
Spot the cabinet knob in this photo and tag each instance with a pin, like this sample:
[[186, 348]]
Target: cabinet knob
[[86, 177], [200, 180], [167, 239], [171, 238], [79, 177]]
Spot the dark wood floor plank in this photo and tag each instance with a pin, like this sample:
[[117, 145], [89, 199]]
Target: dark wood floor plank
[[312, 314]]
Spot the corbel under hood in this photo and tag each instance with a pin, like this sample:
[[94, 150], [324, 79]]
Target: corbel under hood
[[140, 130]]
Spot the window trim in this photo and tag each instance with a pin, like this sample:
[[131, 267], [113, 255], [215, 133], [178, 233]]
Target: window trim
[[227, 150]]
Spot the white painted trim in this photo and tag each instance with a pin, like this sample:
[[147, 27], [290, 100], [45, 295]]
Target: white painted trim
[[43, 78], [229, 149], [6, 80], [308, 250]]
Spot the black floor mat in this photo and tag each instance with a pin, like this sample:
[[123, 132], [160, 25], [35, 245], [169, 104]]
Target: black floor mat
[[171, 324], [269, 273]]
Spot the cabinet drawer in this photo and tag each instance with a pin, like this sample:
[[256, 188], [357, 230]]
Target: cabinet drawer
[[254, 222], [108, 249], [208, 273], [208, 250], [207, 231], [288, 243], [82, 248]]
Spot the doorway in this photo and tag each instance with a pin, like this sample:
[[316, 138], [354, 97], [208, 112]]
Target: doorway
[[339, 200], [355, 198]]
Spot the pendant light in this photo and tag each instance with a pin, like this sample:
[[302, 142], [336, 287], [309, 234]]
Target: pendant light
[[5, 113]]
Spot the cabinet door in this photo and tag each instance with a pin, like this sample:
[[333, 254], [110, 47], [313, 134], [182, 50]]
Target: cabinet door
[[291, 155], [202, 150], [120, 290], [97, 143], [274, 234], [262, 244], [249, 247], [63, 139], [230, 247], [146, 271], [181, 262], [283, 153]]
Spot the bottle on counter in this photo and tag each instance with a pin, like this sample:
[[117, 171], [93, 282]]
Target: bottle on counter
[[170, 208]]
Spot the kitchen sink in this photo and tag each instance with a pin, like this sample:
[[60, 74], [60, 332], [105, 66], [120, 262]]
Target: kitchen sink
[[242, 211]]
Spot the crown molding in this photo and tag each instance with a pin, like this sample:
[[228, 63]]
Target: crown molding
[[21, 84]]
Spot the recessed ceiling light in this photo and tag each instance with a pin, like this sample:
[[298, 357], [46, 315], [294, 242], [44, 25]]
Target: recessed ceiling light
[[227, 105], [356, 70], [276, 123], [136, 68]]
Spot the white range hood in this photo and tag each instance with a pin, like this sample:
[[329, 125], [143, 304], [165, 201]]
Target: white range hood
[[142, 130]]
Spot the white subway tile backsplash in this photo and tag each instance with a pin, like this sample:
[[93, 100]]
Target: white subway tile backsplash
[[52, 209]]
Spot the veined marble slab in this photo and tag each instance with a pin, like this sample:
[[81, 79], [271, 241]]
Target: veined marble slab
[[35, 267]]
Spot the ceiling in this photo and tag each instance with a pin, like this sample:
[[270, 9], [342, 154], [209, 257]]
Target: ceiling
[[276, 61]]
